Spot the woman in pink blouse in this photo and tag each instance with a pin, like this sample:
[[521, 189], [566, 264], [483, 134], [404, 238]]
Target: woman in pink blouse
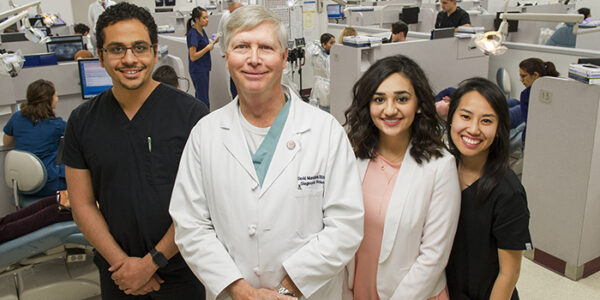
[[410, 185]]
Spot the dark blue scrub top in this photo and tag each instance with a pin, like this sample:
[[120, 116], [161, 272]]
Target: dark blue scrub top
[[194, 38], [41, 139]]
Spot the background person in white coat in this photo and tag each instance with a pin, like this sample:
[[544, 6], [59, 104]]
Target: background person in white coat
[[95, 9], [410, 185], [267, 200]]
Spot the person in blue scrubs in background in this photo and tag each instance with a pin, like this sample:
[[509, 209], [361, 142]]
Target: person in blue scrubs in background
[[529, 71], [36, 129], [199, 46]]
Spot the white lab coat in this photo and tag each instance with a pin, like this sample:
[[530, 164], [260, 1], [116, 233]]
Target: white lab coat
[[419, 229], [306, 220], [320, 64], [95, 10]]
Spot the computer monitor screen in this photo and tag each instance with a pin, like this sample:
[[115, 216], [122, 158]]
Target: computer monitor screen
[[65, 47], [410, 15], [94, 79], [589, 60], [334, 11]]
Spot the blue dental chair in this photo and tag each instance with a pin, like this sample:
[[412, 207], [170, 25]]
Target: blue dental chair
[[26, 174]]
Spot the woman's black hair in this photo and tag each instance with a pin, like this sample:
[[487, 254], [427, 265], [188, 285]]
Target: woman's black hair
[[196, 13], [121, 12], [425, 131], [543, 68], [496, 164]]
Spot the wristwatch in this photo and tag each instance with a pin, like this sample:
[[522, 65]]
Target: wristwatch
[[282, 290], [158, 258]]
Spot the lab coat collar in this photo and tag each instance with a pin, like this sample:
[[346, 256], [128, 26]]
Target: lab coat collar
[[298, 122], [398, 200]]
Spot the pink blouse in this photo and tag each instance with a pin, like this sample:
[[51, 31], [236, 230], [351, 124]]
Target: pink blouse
[[377, 185]]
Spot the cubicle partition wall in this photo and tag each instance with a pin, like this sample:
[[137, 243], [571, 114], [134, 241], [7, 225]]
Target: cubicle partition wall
[[561, 172], [173, 19], [589, 41], [445, 61], [560, 56]]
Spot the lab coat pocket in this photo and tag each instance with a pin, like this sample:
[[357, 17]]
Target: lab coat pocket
[[309, 214]]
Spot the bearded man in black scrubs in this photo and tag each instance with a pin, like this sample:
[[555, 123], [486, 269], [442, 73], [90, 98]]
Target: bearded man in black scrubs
[[452, 16], [122, 151]]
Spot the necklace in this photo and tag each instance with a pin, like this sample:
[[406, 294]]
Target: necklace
[[387, 184]]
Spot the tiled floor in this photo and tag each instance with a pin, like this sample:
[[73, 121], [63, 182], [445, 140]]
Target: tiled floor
[[537, 282]]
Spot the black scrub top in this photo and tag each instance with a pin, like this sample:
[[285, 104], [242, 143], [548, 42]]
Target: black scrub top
[[458, 18], [133, 163], [501, 222]]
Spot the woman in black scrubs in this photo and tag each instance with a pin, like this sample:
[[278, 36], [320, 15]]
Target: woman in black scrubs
[[493, 224]]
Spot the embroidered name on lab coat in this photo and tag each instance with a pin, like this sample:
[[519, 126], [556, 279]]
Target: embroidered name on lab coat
[[306, 181]]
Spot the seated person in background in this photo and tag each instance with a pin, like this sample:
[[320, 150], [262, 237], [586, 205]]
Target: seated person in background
[[167, 75], [399, 31], [529, 71], [347, 31], [452, 16], [587, 14], [563, 36], [84, 30], [83, 54], [36, 129], [31, 218]]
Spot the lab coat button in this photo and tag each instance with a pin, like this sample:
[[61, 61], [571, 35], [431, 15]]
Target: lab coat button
[[256, 271], [291, 145], [251, 230]]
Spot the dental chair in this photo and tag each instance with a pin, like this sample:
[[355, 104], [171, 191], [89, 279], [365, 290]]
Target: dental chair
[[42, 249]]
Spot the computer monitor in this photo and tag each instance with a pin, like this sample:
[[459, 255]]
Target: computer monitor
[[334, 11], [94, 79], [65, 46], [13, 37], [410, 15], [441, 33], [589, 60]]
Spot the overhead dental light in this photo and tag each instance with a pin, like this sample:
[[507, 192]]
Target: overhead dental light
[[34, 34], [12, 63], [491, 42]]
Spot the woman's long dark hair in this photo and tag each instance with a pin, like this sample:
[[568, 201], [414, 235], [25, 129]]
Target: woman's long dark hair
[[496, 164], [425, 131], [39, 101], [543, 68], [196, 13]]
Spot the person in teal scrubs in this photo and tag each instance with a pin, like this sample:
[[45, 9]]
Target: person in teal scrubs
[[36, 129]]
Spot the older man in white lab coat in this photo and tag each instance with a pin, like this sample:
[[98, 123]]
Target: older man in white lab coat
[[267, 202]]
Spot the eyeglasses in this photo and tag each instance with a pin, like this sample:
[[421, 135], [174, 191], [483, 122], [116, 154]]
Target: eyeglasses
[[119, 51]]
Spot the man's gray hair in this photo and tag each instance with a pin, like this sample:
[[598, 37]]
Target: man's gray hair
[[250, 16]]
